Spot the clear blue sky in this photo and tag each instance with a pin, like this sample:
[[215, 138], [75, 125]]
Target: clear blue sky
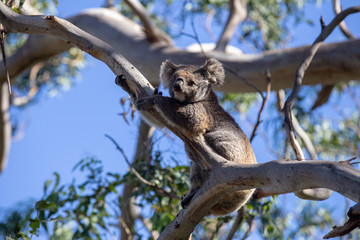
[[60, 131]]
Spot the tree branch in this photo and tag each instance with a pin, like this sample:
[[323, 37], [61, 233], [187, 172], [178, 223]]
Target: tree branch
[[333, 62], [237, 14], [342, 24], [326, 30], [153, 33], [281, 176]]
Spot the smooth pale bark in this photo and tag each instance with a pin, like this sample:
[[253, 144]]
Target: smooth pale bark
[[5, 126], [333, 62]]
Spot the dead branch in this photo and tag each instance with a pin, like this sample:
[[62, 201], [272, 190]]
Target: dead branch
[[352, 223], [237, 14]]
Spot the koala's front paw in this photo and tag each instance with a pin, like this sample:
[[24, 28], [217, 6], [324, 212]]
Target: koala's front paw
[[144, 104], [185, 200]]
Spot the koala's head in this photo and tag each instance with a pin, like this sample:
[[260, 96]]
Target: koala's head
[[189, 83]]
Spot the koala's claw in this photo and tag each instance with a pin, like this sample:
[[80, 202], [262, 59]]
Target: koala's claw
[[156, 92]]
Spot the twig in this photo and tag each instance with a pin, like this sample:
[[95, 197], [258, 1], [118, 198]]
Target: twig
[[250, 222], [243, 79], [264, 100], [2, 41], [238, 220], [325, 31], [159, 190]]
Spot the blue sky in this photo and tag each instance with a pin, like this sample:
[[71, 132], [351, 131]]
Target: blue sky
[[60, 131]]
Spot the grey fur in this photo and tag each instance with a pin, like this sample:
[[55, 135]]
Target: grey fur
[[194, 108]]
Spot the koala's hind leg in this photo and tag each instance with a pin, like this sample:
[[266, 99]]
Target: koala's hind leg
[[197, 179]]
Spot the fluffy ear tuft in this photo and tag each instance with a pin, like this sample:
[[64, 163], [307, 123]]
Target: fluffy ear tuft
[[214, 71], [167, 69]]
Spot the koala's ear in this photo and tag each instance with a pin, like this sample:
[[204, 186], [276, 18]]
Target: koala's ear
[[214, 71], [167, 69]]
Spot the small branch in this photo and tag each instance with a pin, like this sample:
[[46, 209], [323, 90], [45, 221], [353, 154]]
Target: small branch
[[319, 194], [244, 79], [302, 134], [153, 33], [342, 24], [132, 169], [159, 190], [352, 223], [237, 14], [326, 30], [304, 137], [323, 96], [264, 100], [238, 220]]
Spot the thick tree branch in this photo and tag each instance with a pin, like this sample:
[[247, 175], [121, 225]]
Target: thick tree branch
[[333, 62], [281, 176], [71, 34]]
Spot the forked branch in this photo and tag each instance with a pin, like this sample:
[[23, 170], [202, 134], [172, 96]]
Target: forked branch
[[325, 32]]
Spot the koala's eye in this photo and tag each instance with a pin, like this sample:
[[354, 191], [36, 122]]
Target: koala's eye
[[190, 83]]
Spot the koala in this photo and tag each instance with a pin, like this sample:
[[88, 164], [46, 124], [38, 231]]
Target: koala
[[193, 108]]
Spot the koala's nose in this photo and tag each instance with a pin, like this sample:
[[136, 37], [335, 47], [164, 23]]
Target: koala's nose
[[179, 82]]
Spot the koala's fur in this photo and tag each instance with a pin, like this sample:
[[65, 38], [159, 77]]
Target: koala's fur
[[193, 107]]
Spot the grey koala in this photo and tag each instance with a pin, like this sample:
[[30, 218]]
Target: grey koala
[[193, 107]]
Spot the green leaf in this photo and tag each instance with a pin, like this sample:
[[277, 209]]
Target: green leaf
[[46, 185], [44, 205], [56, 2], [34, 224]]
